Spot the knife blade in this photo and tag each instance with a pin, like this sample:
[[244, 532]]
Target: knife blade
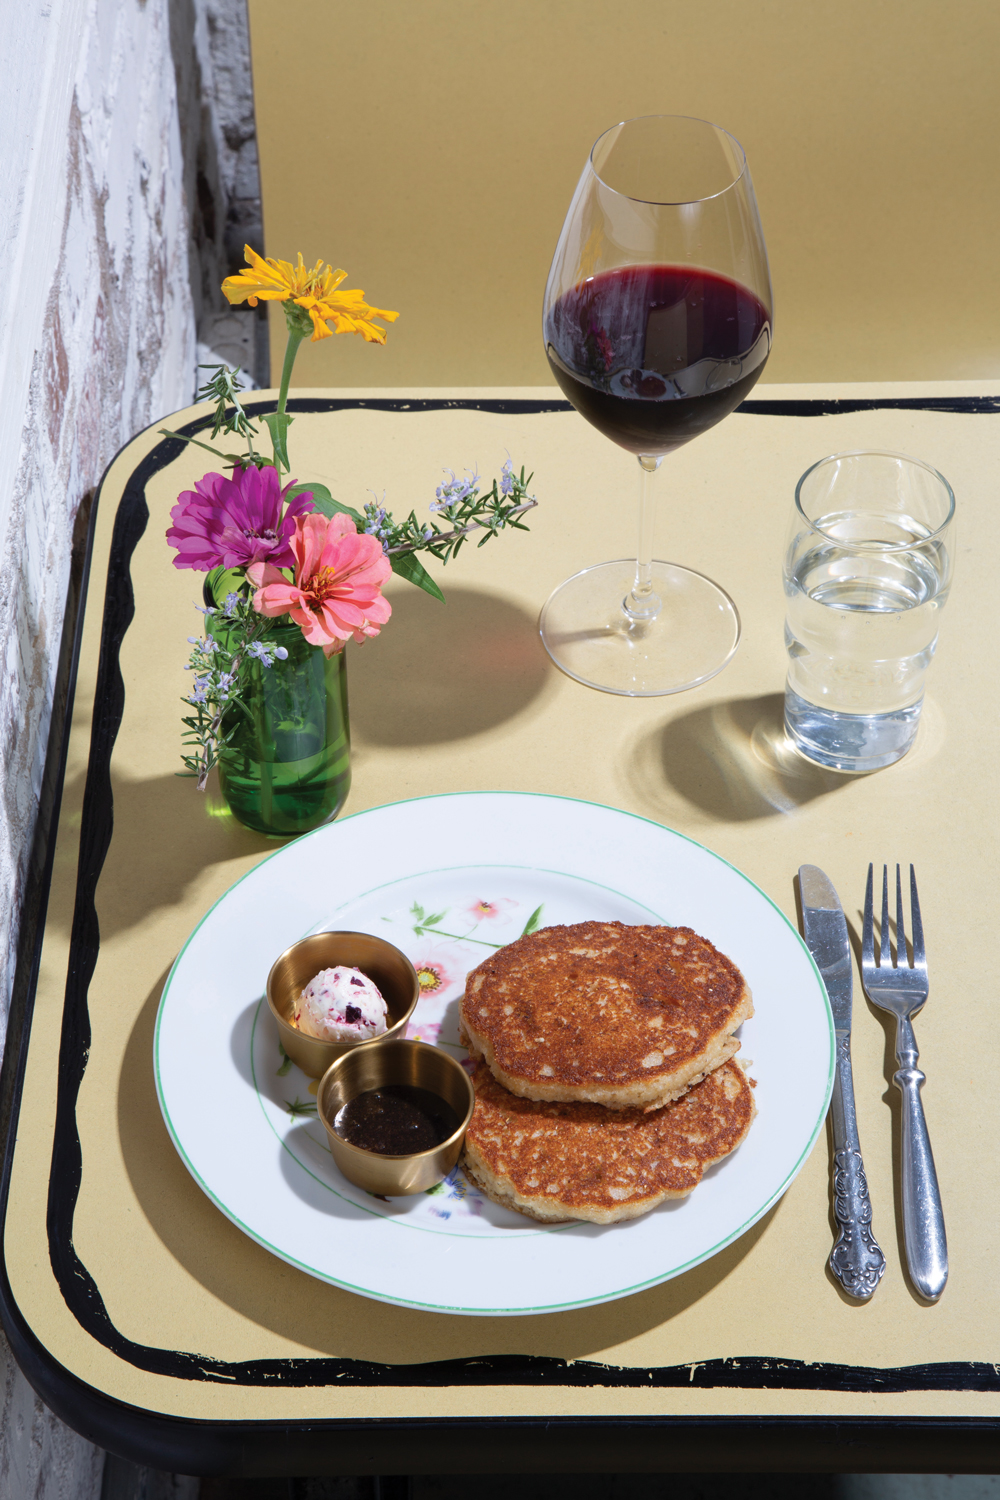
[[856, 1259]]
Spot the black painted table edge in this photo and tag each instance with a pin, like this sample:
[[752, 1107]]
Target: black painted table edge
[[655, 1444]]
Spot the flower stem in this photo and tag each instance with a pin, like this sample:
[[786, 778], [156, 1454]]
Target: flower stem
[[457, 937], [291, 349]]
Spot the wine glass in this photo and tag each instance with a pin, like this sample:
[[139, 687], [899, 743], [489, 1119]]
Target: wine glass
[[657, 323]]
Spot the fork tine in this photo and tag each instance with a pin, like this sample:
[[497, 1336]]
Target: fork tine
[[919, 957], [885, 953], [902, 957], [867, 936]]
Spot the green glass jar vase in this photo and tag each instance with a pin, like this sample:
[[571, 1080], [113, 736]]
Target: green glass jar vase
[[287, 768]]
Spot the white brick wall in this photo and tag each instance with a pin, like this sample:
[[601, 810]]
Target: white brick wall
[[97, 341]]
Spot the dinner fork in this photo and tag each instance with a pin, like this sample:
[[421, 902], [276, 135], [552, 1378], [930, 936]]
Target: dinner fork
[[901, 988]]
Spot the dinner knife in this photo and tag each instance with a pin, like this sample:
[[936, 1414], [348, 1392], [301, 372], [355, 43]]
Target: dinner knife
[[856, 1259]]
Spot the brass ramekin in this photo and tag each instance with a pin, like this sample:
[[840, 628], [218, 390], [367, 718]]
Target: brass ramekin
[[420, 1065], [390, 970]]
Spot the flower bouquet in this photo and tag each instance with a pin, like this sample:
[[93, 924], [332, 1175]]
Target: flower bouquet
[[294, 574]]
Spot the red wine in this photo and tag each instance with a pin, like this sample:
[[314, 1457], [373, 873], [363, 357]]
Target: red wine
[[654, 355]]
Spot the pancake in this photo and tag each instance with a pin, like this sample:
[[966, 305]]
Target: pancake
[[581, 1161], [614, 1015]]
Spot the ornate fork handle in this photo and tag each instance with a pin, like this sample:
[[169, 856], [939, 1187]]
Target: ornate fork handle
[[923, 1216], [856, 1259]]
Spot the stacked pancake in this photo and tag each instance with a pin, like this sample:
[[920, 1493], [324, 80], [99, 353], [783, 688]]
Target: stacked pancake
[[605, 1080]]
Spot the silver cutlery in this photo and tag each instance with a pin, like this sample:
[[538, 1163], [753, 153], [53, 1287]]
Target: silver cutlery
[[856, 1259], [901, 989]]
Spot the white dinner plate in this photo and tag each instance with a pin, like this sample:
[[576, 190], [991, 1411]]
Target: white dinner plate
[[448, 880]]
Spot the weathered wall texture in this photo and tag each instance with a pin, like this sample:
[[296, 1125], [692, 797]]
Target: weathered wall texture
[[222, 177], [40, 1459], [97, 338], [100, 327]]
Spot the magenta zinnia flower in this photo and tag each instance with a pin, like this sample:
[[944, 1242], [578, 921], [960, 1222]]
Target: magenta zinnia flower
[[235, 522]]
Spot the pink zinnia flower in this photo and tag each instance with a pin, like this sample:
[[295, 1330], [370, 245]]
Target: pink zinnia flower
[[490, 909], [234, 522], [432, 975], [338, 582]]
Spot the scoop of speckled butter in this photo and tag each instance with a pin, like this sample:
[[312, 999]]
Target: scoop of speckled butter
[[340, 1005]]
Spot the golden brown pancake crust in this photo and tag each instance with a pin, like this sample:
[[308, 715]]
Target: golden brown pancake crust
[[601, 1011], [581, 1161]]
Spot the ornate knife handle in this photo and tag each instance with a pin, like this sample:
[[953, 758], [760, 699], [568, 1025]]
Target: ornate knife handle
[[856, 1259]]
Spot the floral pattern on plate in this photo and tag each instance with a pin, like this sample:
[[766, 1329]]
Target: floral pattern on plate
[[446, 922]]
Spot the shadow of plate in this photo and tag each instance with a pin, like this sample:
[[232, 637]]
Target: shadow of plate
[[313, 1316]]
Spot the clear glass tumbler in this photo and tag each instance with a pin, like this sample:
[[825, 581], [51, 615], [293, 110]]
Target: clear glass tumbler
[[867, 572]]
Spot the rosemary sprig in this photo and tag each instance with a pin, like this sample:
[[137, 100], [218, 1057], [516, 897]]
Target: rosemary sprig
[[221, 678], [230, 417], [460, 504]]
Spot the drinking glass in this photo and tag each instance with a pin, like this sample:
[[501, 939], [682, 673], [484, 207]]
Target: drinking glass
[[657, 323], [868, 566]]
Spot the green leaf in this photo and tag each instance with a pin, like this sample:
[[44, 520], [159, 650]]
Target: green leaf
[[417, 911], [412, 569], [322, 499], [297, 1108], [277, 424], [286, 1064], [438, 916], [533, 922], [324, 502]]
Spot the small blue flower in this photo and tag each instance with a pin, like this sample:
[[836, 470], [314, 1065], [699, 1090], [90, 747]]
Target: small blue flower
[[232, 600], [281, 653], [455, 491], [507, 478]]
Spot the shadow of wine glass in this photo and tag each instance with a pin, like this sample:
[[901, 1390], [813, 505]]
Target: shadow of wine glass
[[446, 671], [732, 760]]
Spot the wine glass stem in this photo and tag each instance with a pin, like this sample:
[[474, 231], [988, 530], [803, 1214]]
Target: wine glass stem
[[642, 603]]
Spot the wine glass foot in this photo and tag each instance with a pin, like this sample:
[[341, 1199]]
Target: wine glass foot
[[693, 636]]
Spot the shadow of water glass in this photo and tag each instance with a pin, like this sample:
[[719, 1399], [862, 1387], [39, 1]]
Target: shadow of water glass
[[731, 760]]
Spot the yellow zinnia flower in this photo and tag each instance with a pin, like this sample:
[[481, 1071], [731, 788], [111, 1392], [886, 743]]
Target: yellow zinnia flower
[[314, 290]]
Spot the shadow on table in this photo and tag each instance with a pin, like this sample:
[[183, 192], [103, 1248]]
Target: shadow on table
[[731, 759], [166, 833], [442, 672], [256, 1286]]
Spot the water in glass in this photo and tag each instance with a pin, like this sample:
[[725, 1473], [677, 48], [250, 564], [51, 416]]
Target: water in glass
[[860, 631]]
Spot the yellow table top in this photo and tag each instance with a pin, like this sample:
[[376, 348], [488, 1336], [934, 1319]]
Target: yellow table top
[[160, 1272]]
